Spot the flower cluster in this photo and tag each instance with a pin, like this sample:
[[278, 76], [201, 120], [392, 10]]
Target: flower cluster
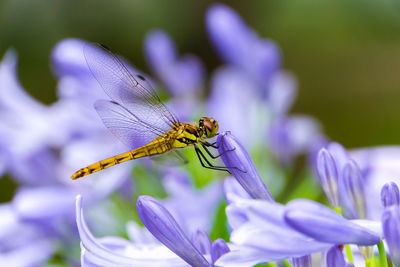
[[190, 220]]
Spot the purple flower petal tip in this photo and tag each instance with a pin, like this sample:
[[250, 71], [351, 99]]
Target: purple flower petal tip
[[68, 58], [390, 195], [335, 257], [163, 226], [179, 75], [242, 167], [328, 176], [391, 232], [325, 225], [304, 261], [352, 191], [202, 242], [219, 248], [160, 50], [228, 32], [339, 153], [239, 45]]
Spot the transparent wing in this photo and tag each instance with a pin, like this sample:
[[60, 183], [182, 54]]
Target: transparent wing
[[171, 158], [125, 125], [129, 90]]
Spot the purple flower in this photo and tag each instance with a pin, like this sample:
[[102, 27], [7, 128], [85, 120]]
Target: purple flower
[[328, 176], [390, 195], [235, 102], [265, 231], [45, 146], [239, 45], [383, 166], [20, 238], [181, 76], [115, 251], [191, 216], [260, 234], [339, 154], [26, 130], [242, 167], [219, 247], [291, 136], [281, 92], [391, 231], [163, 226], [335, 257], [68, 59], [304, 261], [234, 191], [352, 191], [325, 225]]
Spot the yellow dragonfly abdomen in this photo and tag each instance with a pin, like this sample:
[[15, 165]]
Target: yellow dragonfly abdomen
[[154, 148], [180, 136]]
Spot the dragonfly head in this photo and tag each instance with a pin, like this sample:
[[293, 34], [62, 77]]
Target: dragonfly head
[[209, 126]]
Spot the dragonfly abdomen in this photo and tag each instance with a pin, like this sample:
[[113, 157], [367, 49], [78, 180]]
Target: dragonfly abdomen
[[154, 148]]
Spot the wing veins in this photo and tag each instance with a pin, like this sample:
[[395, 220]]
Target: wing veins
[[149, 96], [139, 121]]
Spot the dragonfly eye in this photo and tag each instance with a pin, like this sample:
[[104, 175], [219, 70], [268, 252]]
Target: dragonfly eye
[[209, 127]]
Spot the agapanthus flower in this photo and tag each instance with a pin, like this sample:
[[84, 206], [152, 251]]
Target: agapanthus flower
[[390, 195], [237, 110], [352, 193], [342, 180], [180, 75], [22, 238], [328, 176], [290, 136], [266, 231], [44, 147], [304, 261], [391, 231], [114, 251], [196, 249], [241, 165], [335, 257], [191, 216], [238, 44], [382, 165]]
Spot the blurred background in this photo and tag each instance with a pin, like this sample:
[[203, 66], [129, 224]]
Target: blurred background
[[345, 54]]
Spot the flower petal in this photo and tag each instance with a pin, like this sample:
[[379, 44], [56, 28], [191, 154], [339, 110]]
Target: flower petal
[[113, 251], [241, 165], [163, 226], [325, 225]]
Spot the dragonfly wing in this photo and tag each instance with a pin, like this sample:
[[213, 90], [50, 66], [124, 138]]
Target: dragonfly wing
[[129, 89], [126, 126], [171, 158]]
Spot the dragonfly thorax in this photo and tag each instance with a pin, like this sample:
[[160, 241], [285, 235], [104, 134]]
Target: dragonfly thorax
[[208, 126]]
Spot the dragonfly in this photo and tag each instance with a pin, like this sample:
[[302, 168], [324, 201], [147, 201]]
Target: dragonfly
[[138, 118]]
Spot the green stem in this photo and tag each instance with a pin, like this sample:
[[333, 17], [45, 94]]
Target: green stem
[[286, 263], [382, 255], [349, 253], [368, 263], [272, 264]]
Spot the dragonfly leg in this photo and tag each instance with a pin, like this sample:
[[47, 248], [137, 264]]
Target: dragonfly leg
[[214, 145], [210, 154], [201, 156]]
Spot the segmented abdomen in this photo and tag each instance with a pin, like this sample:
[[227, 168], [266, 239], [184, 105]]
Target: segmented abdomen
[[153, 148]]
